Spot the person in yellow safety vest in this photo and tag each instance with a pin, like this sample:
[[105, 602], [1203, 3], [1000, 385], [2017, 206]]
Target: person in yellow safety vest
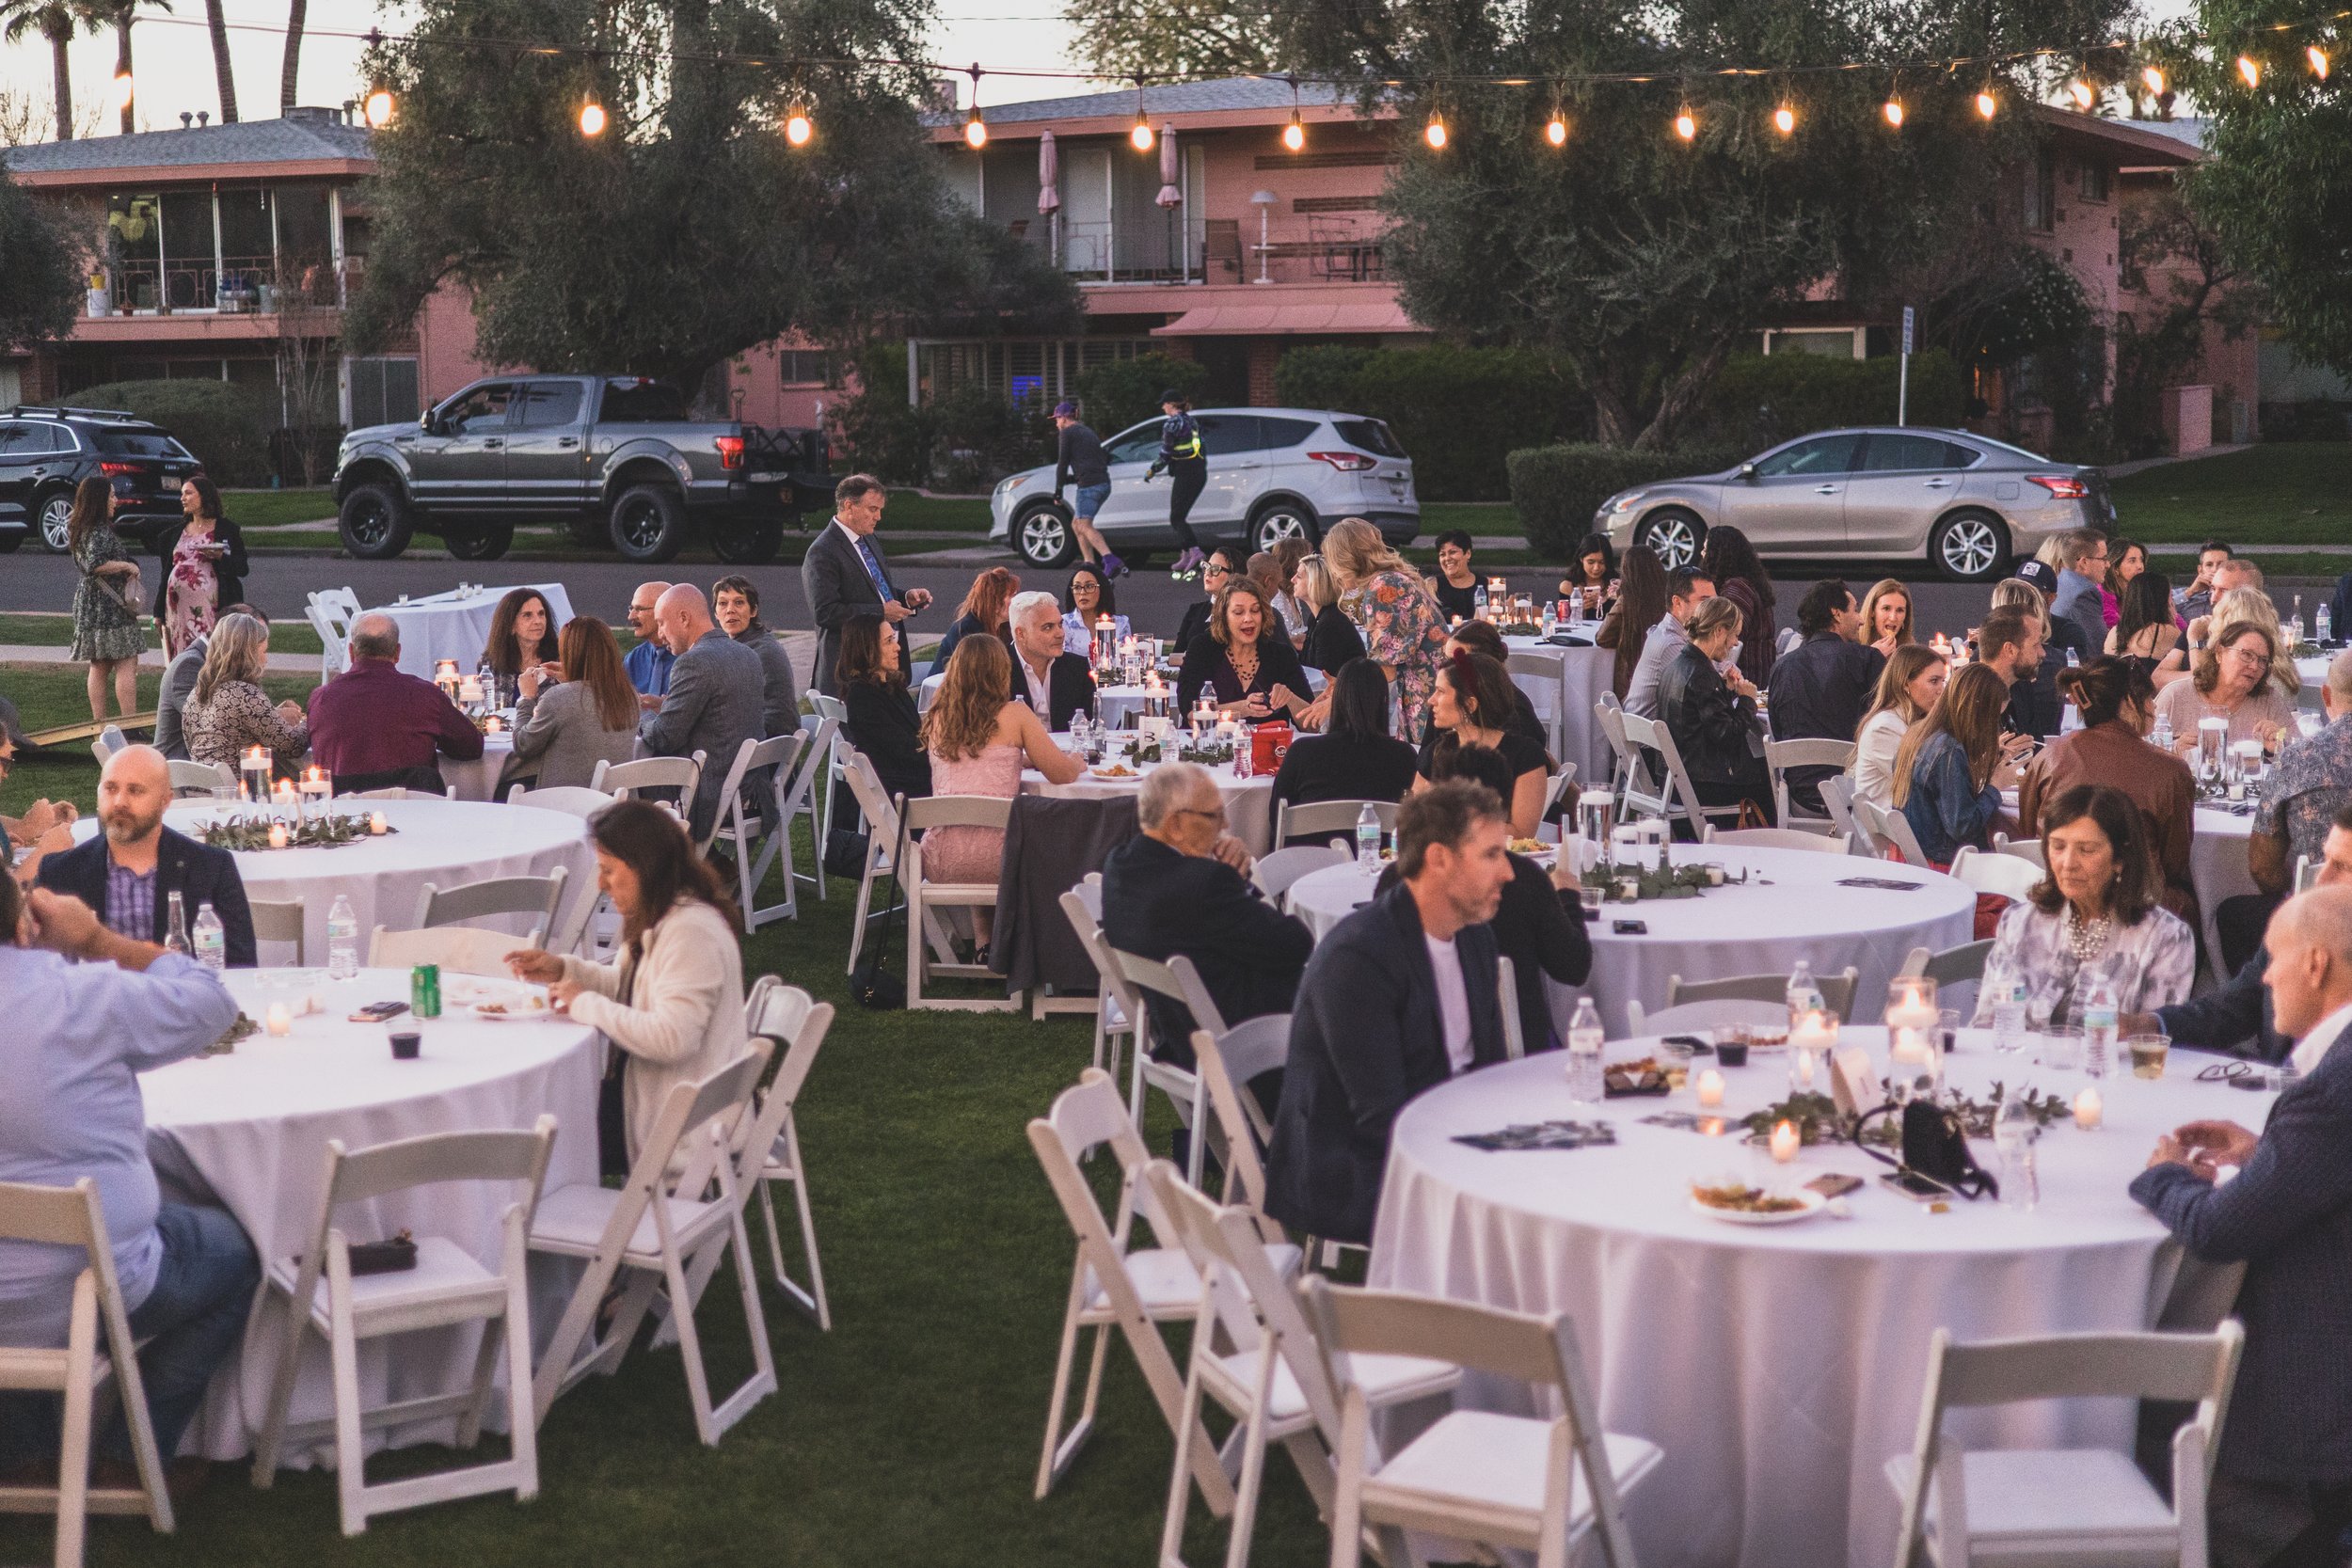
[[1182, 457]]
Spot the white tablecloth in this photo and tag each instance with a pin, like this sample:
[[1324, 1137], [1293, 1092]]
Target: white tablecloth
[[2217, 867], [249, 1130], [1249, 802], [448, 626], [447, 842], [1585, 673], [478, 779], [1115, 705], [1779, 1368], [1791, 908]]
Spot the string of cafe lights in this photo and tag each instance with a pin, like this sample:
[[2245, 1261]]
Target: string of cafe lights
[[2253, 63]]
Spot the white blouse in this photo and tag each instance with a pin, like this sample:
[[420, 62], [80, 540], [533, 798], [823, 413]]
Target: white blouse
[[1873, 770]]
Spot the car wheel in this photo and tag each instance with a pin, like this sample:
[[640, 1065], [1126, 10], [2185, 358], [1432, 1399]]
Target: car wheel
[[747, 541], [374, 522], [55, 513], [1969, 546], [649, 523], [487, 542], [1044, 536], [1280, 521], [1674, 535]]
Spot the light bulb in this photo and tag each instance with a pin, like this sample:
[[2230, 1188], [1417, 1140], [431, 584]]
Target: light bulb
[[1294, 135], [592, 120], [379, 109], [1141, 137], [1434, 133], [2318, 57], [1893, 110], [976, 132], [1783, 119], [120, 97], [2079, 90], [2154, 78], [1685, 126], [1556, 131], [799, 127], [2248, 69], [1988, 106]]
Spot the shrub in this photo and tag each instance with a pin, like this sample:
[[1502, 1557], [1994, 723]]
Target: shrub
[[1459, 412], [885, 438], [1557, 489], [229, 427], [1759, 400], [1115, 395], [981, 437]]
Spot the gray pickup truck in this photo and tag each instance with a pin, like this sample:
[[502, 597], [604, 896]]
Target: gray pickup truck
[[615, 457]]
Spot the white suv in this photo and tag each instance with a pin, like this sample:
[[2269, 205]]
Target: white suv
[[1274, 474]]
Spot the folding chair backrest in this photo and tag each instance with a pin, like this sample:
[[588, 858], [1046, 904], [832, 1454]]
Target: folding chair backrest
[[1088, 1115], [781, 753], [402, 792], [53, 1216], [1777, 838], [460, 949], [1195, 993], [1609, 714], [202, 778], [1327, 816], [1541, 1353], [1642, 795], [797, 1022], [1838, 800], [1888, 833], [1227, 1065], [1781, 755], [958, 811], [2009, 876], [1837, 989], [873, 800], [1541, 676], [834, 708], [110, 740], [1086, 922], [2306, 874], [537, 896], [572, 799], [1688, 1016], [358, 1176], [1090, 891], [2024, 849], [280, 922], [1275, 873], [1952, 966], [628, 777], [1514, 1028]]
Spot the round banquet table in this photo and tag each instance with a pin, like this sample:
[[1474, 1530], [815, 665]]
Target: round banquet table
[[1116, 705], [447, 842], [478, 779], [1249, 802], [2218, 869], [1585, 673], [247, 1131], [1780, 1367], [1790, 909], [456, 625]]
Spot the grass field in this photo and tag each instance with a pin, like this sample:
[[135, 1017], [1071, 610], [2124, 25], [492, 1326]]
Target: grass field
[[270, 508], [2280, 493], [909, 1434], [285, 637]]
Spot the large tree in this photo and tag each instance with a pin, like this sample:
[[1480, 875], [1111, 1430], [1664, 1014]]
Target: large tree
[[688, 230], [43, 269], [1632, 257], [1174, 37]]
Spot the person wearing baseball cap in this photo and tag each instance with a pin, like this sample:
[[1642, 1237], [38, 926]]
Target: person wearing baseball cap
[[1078, 461], [1185, 462]]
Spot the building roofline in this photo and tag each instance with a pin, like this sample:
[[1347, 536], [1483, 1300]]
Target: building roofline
[[182, 174], [2151, 149]]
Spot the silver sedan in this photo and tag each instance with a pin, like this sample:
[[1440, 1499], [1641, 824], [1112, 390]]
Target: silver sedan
[[1965, 503]]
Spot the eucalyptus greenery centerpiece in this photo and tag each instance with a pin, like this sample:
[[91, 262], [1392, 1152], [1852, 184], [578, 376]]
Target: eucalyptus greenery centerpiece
[[252, 835], [1817, 1120], [1667, 881]]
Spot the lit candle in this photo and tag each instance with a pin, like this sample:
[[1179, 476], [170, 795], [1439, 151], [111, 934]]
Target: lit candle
[[2089, 1110], [1912, 1049], [1714, 874], [277, 835], [1911, 1005], [1784, 1142], [1710, 1088], [280, 1021], [375, 822], [494, 724]]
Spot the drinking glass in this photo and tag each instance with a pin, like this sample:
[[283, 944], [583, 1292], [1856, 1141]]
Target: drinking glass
[[2013, 1135], [1590, 891], [2148, 1053], [2062, 1048]]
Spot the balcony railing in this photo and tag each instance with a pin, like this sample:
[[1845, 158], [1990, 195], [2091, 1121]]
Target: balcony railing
[[1294, 249], [230, 285]]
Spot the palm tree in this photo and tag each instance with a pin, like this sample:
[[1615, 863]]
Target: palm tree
[[56, 21], [119, 15], [220, 25], [295, 11]]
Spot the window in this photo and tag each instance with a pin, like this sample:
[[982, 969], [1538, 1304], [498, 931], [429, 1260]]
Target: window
[[383, 392], [629, 401], [2040, 196], [20, 442], [551, 403], [1828, 343], [804, 367], [1822, 454], [1274, 434], [1910, 453], [2095, 181], [1368, 436], [1138, 445], [1228, 435], [480, 411], [139, 443], [61, 438]]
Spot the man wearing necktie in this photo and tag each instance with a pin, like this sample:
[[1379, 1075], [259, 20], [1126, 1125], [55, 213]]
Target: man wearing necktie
[[843, 575]]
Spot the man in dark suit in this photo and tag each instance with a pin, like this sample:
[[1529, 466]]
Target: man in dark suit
[[1822, 687], [843, 574], [1179, 888], [1054, 684], [1400, 997], [2283, 1484], [128, 871], [713, 703]]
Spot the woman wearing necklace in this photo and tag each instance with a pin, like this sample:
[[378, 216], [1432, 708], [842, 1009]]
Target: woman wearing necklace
[[2097, 908], [1245, 662]]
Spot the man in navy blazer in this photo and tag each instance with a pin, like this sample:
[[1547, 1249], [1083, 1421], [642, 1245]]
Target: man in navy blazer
[[1400, 997], [2282, 1489], [135, 855]]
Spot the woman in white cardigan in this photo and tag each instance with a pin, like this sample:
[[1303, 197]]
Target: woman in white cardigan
[[673, 1005], [1908, 687]]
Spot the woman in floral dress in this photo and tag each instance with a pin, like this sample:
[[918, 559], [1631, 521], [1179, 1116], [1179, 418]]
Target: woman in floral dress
[[1403, 629], [106, 634], [204, 567]]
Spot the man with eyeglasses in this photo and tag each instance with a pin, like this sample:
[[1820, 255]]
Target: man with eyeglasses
[[1181, 886], [1222, 566], [650, 661], [2084, 552]]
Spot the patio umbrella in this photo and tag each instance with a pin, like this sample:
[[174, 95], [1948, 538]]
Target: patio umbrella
[[1170, 195], [1048, 174]]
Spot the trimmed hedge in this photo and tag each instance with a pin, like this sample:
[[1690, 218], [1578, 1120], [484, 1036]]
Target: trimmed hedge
[[1757, 400], [227, 426], [1122, 393], [1460, 411], [1557, 489]]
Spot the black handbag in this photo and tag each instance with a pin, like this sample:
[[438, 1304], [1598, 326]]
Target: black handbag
[[871, 987], [1935, 1146], [846, 849]]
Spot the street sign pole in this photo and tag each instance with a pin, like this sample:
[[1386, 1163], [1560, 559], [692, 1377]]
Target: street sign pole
[[1903, 380]]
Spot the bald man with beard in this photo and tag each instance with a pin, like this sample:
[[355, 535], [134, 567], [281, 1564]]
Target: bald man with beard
[[713, 703], [128, 871]]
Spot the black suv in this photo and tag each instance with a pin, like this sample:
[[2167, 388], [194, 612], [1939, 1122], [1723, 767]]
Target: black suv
[[45, 453]]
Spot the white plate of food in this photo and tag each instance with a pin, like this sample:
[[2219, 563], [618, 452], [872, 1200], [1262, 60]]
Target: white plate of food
[[1117, 772], [1737, 1203], [513, 1009]]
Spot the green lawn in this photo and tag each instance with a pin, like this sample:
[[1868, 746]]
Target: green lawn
[[285, 637], [907, 1435], [268, 508], [2280, 493]]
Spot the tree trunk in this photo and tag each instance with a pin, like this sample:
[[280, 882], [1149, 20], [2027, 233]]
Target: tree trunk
[[221, 74], [62, 73], [295, 11], [1682, 394], [122, 60]]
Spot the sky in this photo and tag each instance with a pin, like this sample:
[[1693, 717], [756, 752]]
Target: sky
[[173, 69]]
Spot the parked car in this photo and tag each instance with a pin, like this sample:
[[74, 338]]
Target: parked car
[[46, 451], [1965, 503], [1274, 474], [614, 456]]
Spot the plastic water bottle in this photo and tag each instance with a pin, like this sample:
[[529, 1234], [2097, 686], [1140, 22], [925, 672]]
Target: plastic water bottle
[[2099, 1005], [212, 938], [342, 940], [1584, 1036], [2013, 1135], [1368, 839], [2296, 620], [176, 927], [2008, 1016], [2320, 628], [1551, 622], [2161, 737], [1478, 601], [2074, 659], [1805, 996]]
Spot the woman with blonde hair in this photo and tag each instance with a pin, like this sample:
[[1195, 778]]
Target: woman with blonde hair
[[2232, 678], [106, 634], [1908, 690], [2252, 604], [979, 739], [226, 712], [1886, 617], [1333, 641], [1950, 771], [1403, 629]]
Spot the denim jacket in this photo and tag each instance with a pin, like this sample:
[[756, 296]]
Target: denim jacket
[[1944, 807]]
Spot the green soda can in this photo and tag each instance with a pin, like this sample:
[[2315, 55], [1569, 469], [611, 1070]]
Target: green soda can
[[424, 990]]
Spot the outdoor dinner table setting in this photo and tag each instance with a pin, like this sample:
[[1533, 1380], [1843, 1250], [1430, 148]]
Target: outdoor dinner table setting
[[1119, 761], [455, 624]]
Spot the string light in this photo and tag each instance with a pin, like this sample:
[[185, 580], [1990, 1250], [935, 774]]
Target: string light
[[1434, 132], [1686, 126], [1556, 129], [975, 128], [1295, 133], [797, 127], [2154, 78], [379, 109], [1987, 106], [1893, 110], [1139, 136], [2079, 90], [1785, 120], [592, 119], [2318, 57], [2248, 69]]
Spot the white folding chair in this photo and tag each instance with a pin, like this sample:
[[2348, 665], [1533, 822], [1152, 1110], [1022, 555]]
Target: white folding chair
[[1275, 1380], [758, 838], [1838, 800], [537, 897], [330, 613], [1275, 873], [1177, 981], [1113, 1284], [201, 780], [1887, 834], [1775, 838], [572, 799], [1328, 817], [648, 1229], [1692, 1016], [629, 779], [1951, 967], [2010, 876], [796, 1022], [1675, 797], [1556, 788], [71, 1217], [1227, 1065], [881, 839], [1836, 991], [1540, 676], [1630, 772], [2024, 849], [924, 897], [1543, 1486], [2306, 874], [280, 922], [1781, 755], [2090, 1506], [1507, 990], [402, 792], [1118, 1003], [836, 712], [446, 1287], [458, 949]]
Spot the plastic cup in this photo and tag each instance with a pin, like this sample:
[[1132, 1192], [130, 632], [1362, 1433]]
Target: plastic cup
[[2148, 1055], [406, 1045]]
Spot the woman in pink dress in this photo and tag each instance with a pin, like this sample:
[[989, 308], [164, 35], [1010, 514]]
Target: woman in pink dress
[[204, 567], [978, 738]]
